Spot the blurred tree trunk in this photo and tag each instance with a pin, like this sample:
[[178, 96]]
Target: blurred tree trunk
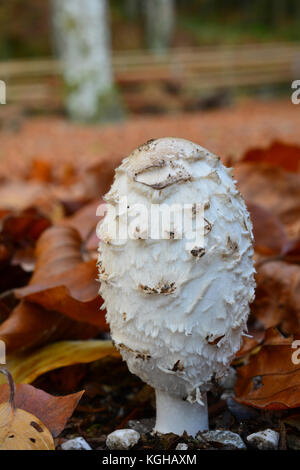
[[82, 41], [160, 21]]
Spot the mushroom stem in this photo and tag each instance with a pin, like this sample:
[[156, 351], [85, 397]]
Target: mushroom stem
[[176, 415]]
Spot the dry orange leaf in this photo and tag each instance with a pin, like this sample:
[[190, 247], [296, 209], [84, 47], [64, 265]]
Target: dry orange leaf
[[29, 325], [277, 301], [271, 187], [279, 154], [41, 170], [85, 222], [27, 366], [52, 411], [270, 380], [270, 237], [19, 429], [63, 281], [19, 195]]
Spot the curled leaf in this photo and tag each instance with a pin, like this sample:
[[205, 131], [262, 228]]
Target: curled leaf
[[85, 221], [271, 379], [277, 301], [26, 367], [270, 237], [29, 325], [21, 430], [63, 281], [278, 154], [270, 187]]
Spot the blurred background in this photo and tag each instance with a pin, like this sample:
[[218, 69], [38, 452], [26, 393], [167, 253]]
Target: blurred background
[[102, 60], [216, 72]]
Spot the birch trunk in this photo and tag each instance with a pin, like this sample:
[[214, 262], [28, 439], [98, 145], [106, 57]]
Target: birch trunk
[[160, 21], [82, 41]]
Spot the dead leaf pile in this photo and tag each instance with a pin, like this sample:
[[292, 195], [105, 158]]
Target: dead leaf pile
[[50, 314], [30, 418], [48, 247], [269, 179]]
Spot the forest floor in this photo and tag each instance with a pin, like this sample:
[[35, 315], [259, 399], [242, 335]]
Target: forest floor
[[228, 132], [115, 399], [56, 168]]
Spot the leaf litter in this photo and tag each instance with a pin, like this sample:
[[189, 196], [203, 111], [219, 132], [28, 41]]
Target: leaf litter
[[49, 304]]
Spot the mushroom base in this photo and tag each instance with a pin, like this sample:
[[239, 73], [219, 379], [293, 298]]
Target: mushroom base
[[176, 415]]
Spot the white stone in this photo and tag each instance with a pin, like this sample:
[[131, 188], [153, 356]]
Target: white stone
[[264, 440], [229, 379], [78, 443], [142, 426], [181, 446], [227, 438], [227, 394], [122, 439]]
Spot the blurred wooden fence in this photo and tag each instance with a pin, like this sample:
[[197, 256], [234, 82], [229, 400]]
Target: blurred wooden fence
[[39, 80]]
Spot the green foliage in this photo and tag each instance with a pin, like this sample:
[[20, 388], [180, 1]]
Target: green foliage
[[24, 29], [25, 26]]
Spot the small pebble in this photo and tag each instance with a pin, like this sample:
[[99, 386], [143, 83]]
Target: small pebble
[[142, 426], [227, 438], [76, 444], [181, 446], [122, 439], [229, 380], [227, 394], [264, 440]]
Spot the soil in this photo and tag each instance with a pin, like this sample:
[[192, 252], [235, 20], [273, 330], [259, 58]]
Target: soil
[[115, 399]]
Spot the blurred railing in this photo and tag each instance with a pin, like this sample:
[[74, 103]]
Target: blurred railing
[[39, 80]]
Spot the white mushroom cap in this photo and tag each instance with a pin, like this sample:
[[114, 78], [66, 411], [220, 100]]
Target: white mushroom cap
[[177, 315]]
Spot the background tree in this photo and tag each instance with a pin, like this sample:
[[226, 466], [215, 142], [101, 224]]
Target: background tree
[[160, 22], [82, 41]]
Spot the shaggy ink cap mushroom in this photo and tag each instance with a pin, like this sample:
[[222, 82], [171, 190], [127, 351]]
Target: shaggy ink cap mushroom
[[177, 315]]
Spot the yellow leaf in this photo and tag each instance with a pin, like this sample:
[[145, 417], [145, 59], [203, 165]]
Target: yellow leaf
[[20, 430], [27, 366]]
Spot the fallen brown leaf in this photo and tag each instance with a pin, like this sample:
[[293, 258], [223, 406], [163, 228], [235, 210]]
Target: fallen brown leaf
[[292, 253], [20, 430], [272, 188], [270, 237], [19, 232], [277, 300], [270, 380], [62, 280], [52, 411], [85, 222], [20, 195], [24, 226], [25, 367], [29, 325], [41, 170], [279, 154]]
